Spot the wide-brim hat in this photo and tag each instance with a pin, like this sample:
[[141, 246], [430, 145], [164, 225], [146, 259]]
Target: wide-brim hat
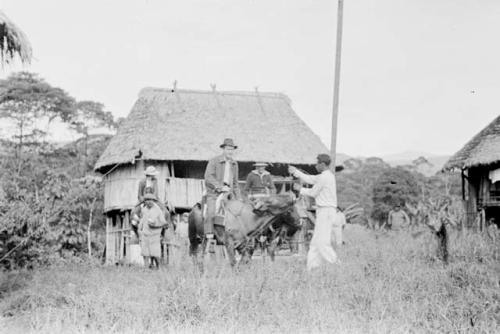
[[260, 164], [228, 142], [151, 171], [150, 196]]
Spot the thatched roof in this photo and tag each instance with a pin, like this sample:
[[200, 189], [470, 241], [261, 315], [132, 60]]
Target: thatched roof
[[167, 124], [13, 42], [482, 149]]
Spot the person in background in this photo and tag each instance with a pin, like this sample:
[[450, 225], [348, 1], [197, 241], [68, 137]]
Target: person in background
[[324, 192], [338, 228], [149, 184], [492, 229], [259, 182], [398, 219]]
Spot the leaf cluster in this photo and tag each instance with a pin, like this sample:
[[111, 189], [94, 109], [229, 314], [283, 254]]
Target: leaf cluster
[[45, 208]]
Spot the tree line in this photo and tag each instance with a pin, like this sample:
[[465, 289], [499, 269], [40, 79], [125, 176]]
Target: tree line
[[378, 187], [49, 196]]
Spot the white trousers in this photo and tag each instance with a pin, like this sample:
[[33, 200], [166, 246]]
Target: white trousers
[[337, 234], [338, 228], [320, 250]]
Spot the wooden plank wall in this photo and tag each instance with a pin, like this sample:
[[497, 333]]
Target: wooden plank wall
[[472, 197], [122, 184], [184, 193]]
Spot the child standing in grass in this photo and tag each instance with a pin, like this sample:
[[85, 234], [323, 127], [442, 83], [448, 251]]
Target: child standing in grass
[[151, 223]]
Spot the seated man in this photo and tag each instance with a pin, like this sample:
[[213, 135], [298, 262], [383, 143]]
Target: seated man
[[221, 178], [259, 182]]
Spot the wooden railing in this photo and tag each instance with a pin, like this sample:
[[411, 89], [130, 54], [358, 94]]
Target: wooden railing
[[185, 192], [492, 200]]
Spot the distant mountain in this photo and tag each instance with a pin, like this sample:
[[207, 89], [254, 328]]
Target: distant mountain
[[425, 163], [416, 161], [407, 156]]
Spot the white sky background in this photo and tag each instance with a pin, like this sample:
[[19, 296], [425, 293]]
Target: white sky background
[[408, 66]]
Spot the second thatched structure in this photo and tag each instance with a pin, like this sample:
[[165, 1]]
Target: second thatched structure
[[479, 163]]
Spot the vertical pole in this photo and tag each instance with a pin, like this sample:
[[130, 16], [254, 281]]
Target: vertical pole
[[463, 184], [119, 238], [108, 239], [172, 171], [338, 52], [140, 166], [127, 234]]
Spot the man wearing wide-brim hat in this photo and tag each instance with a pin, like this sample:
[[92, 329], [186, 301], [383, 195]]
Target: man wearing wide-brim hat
[[149, 184], [221, 177], [259, 182]]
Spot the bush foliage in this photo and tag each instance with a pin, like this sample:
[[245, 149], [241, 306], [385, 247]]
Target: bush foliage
[[47, 193]]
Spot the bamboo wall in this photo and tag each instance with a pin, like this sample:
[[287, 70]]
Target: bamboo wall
[[184, 193], [122, 184], [471, 202], [118, 238]]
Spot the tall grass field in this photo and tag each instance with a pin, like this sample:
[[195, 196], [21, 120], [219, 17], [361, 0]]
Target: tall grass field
[[386, 283]]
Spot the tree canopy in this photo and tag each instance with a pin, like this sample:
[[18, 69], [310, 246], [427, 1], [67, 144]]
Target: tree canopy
[[394, 186], [27, 101]]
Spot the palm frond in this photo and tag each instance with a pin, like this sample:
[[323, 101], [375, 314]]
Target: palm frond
[[13, 42]]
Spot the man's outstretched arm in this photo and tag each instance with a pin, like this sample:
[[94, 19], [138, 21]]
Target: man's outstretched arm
[[310, 179]]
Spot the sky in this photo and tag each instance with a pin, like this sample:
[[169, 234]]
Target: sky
[[417, 75]]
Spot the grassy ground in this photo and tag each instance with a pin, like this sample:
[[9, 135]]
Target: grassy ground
[[385, 284]]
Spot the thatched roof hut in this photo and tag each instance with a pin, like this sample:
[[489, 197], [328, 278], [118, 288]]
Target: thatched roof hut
[[13, 42], [178, 131], [482, 149], [479, 162], [168, 124]]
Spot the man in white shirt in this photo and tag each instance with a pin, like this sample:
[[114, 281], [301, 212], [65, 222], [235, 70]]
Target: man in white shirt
[[325, 193]]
